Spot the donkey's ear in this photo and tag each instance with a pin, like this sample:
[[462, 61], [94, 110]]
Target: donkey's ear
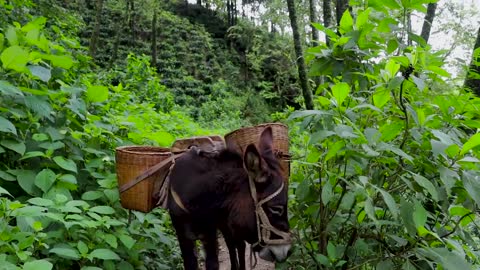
[[254, 164], [266, 141]]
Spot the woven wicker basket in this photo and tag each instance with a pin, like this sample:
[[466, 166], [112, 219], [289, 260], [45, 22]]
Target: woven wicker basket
[[239, 140], [132, 161]]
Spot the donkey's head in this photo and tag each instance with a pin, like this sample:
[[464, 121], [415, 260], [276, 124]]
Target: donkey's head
[[269, 193]]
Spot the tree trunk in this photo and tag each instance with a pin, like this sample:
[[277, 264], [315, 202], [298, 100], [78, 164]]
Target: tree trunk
[[118, 28], [96, 31], [313, 18], [341, 7], [472, 81], [235, 12], [302, 70], [229, 13], [199, 2], [154, 40], [409, 28], [327, 17], [427, 22]]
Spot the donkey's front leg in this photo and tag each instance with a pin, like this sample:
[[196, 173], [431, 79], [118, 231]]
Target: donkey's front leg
[[210, 245]]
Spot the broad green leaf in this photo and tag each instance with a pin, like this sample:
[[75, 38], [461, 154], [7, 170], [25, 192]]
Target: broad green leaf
[[91, 268], [97, 93], [7, 126], [7, 88], [111, 240], [39, 104], [44, 74], [392, 45], [390, 202], [4, 191], [26, 179], [103, 209], [92, 195], [385, 265], [392, 68], [63, 61], [68, 178], [66, 164], [438, 71], [369, 209], [449, 260], [331, 251], [40, 201], [82, 247], [426, 184], [18, 147], [346, 22], [419, 215], [418, 82], [402, 60], [471, 143], [127, 240], [459, 211], [103, 254], [51, 145], [30, 211], [334, 149], [381, 97], [394, 149], [7, 177], [32, 155], [448, 178], [391, 130], [362, 18], [406, 215], [471, 182], [340, 92], [346, 132], [45, 179], [11, 36], [408, 266], [327, 193], [40, 137], [66, 252], [14, 57], [38, 265]]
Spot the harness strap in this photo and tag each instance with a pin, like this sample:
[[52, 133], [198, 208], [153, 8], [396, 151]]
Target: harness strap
[[177, 200], [149, 172]]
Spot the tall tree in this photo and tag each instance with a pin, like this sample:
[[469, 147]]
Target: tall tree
[[340, 8], [313, 18], [427, 22], [302, 69], [96, 30], [327, 17], [472, 80], [154, 40]]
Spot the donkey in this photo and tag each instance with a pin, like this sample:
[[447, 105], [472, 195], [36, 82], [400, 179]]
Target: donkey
[[244, 197]]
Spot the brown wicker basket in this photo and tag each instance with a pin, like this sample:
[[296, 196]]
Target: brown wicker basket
[[239, 140], [131, 161]]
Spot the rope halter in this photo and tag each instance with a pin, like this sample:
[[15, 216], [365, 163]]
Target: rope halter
[[264, 227]]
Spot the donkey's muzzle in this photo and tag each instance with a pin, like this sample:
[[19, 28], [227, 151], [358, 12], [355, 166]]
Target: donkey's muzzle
[[275, 253]]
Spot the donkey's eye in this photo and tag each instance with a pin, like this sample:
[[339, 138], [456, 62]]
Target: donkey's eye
[[276, 210]]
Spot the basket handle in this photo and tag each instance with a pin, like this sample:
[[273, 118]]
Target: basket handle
[[149, 172]]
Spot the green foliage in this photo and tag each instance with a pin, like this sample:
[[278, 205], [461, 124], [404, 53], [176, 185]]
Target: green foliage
[[390, 170]]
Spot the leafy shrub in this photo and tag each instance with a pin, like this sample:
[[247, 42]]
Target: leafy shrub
[[388, 178]]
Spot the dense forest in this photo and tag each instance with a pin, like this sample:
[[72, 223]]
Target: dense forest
[[383, 120]]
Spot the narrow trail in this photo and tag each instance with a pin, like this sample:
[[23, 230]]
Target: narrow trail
[[224, 258]]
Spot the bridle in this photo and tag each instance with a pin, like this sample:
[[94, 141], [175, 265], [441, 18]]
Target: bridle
[[264, 227]]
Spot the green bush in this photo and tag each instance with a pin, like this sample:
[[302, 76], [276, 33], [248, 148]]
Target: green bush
[[388, 176]]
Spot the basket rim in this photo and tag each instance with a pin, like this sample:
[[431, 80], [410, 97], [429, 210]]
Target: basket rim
[[255, 126], [143, 149]]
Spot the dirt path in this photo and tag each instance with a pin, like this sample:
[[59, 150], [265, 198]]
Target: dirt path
[[224, 258]]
